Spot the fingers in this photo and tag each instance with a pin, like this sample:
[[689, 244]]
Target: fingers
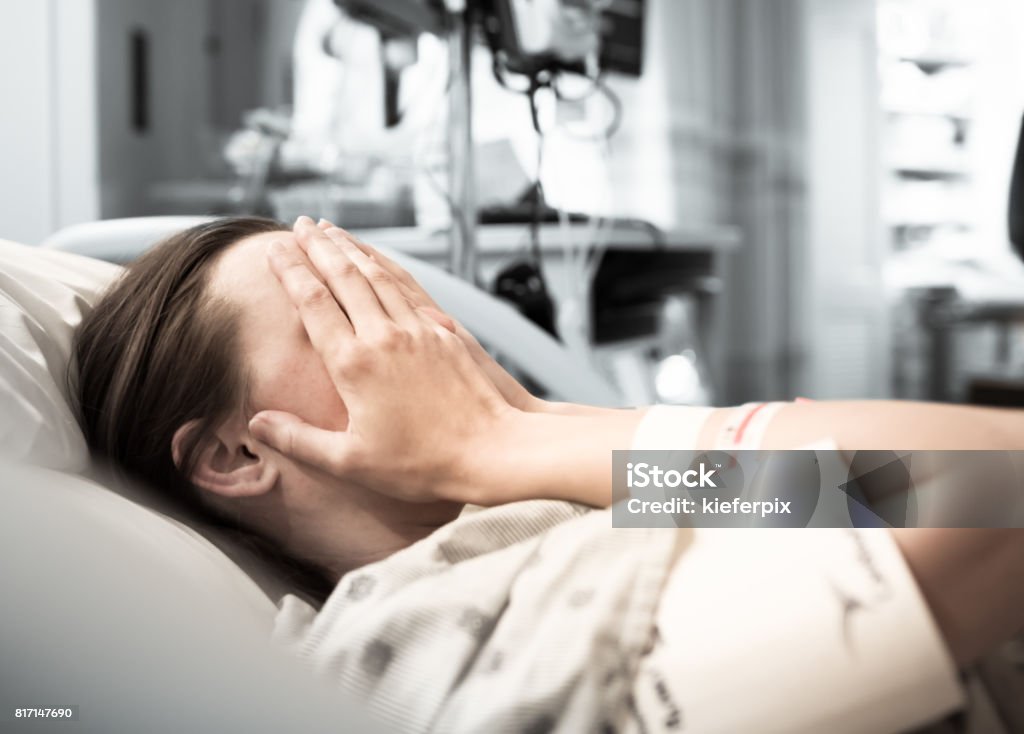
[[422, 298], [411, 286], [389, 290], [324, 321], [383, 285], [343, 277], [290, 435], [411, 289]]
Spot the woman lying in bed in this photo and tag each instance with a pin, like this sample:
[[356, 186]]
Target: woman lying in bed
[[301, 385]]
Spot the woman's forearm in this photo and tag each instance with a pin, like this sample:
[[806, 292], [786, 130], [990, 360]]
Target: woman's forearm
[[564, 451], [965, 575], [895, 426], [969, 577], [552, 455]]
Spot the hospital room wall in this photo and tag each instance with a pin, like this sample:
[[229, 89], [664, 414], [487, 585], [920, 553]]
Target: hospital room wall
[[760, 72], [802, 300], [209, 62], [68, 147], [48, 155], [180, 97], [764, 115], [841, 314], [821, 190]]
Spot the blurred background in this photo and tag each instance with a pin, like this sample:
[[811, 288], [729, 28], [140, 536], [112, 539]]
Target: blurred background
[[711, 201]]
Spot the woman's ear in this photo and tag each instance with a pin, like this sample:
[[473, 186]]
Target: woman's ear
[[230, 463]]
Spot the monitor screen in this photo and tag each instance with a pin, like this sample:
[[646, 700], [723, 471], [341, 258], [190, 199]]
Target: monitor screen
[[622, 37], [523, 31]]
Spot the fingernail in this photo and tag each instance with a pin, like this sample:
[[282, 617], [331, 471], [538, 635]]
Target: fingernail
[[321, 222], [257, 424], [276, 248], [303, 220]]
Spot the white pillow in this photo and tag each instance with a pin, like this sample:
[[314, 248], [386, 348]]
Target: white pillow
[[171, 547], [43, 296]]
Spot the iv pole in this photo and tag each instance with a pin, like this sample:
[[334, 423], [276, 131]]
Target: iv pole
[[461, 173], [409, 18]]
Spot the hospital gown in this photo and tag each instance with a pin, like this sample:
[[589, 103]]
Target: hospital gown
[[539, 616]]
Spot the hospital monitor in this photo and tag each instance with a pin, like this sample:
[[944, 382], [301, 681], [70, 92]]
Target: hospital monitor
[[397, 18], [520, 29]]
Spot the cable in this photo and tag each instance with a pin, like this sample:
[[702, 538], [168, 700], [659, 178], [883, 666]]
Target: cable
[[577, 260], [600, 87], [454, 209], [538, 187]]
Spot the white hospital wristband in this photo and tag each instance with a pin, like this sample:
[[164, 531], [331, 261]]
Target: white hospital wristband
[[670, 428], [744, 427]]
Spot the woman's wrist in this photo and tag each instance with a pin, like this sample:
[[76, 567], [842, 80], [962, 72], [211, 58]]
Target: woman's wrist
[[962, 573], [546, 455], [550, 407], [481, 474], [532, 404]]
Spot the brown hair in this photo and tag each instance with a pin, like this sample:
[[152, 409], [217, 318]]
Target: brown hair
[[156, 352]]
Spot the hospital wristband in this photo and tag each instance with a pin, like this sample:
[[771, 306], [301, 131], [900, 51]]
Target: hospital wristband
[[670, 427], [679, 427], [744, 427]]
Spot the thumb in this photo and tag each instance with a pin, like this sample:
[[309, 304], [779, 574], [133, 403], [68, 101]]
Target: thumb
[[293, 437]]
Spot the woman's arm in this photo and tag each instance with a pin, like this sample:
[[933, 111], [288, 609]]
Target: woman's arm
[[970, 578], [896, 426], [569, 456], [431, 418], [430, 421], [424, 423]]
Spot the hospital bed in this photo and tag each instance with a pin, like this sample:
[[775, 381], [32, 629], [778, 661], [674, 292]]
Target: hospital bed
[[114, 606], [144, 620]]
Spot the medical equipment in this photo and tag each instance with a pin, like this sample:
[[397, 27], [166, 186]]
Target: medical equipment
[[536, 35], [658, 300], [397, 21], [397, 18], [536, 38], [555, 34]]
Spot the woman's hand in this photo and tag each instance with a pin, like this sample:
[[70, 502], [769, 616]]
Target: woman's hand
[[514, 393], [420, 408]]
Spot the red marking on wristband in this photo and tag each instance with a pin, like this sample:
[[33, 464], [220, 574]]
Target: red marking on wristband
[[746, 421]]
